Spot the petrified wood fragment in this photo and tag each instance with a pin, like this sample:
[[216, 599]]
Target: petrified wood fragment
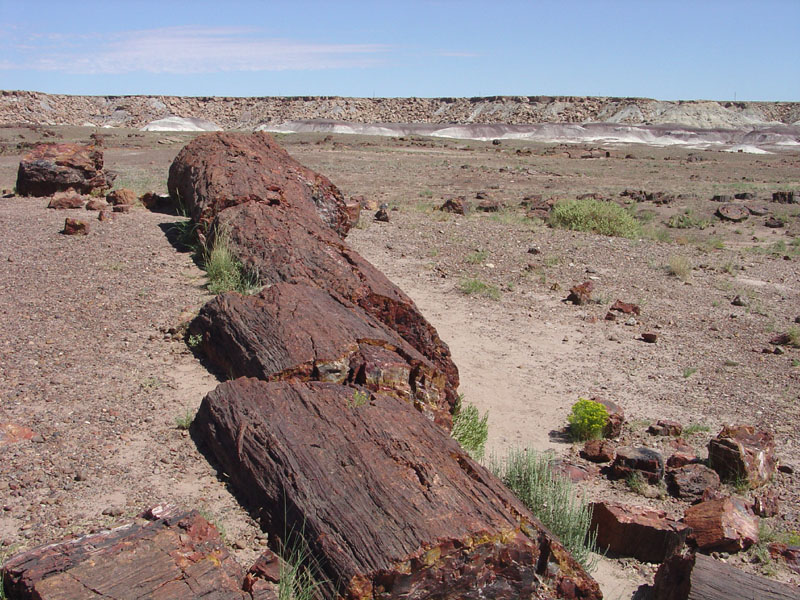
[[219, 170], [295, 331], [741, 452], [389, 504], [51, 168], [173, 556], [286, 245]]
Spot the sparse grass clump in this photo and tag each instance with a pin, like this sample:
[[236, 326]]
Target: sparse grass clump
[[297, 579], [695, 428], [225, 272], [689, 371], [680, 266], [587, 420], [596, 216], [552, 498], [184, 421], [470, 429], [477, 257], [794, 336], [476, 286], [687, 220]]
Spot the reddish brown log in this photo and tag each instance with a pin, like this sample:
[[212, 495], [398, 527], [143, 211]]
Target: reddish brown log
[[173, 556], [51, 168], [288, 246], [299, 332], [741, 452], [219, 170], [389, 504], [699, 577]]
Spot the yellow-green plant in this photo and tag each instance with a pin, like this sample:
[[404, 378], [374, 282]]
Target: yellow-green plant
[[587, 420]]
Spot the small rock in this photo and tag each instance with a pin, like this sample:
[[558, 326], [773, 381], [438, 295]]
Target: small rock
[[631, 322], [647, 462], [581, 293], [626, 308], [122, 208], [121, 196], [665, 427], [599, 451], [691, 481], [457, 205], [650, 338], [75, 227], [773, 223], [740, 301]]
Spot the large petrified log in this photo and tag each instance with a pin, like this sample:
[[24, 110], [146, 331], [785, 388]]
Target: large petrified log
[[293, 331], [219, 170], [699, 577], [173, 556], [389, 505], [51, 168]]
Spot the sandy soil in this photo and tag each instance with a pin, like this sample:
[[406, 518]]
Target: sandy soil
[[87, 360]]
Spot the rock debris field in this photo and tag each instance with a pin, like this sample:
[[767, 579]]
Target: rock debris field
[[99, 383]]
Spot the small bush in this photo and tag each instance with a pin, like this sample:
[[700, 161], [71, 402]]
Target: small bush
[[687, 221], [680, 267], [587, 420], [470, 429], [225, 272], [596, 216], [184, 421], [794, 336], [552, 499], [476, 286]]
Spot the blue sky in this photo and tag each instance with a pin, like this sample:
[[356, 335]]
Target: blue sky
[[719, 50]]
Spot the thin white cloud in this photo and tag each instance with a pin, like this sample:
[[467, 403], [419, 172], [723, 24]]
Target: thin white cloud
[[182, 50], [457, 54]]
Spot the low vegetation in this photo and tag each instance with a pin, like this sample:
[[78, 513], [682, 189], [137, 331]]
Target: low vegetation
[[225, 272], [552, 499], [587, 420], [596, 216], [470, 429], [680, 266], [687, 220], [184, 420], [297, 580], [477, 287]]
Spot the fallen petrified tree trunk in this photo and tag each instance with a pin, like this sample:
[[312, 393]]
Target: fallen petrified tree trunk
[[389, 505], [700, 577], [175, 556], [51, 168], [299, 332]]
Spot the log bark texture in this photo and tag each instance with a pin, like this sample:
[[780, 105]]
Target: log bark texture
[[174, 556], [389, 505], [219, 170], [292, 331], [51, 168], [700, 577]]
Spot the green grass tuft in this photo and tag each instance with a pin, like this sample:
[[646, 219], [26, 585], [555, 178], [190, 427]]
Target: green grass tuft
[[552, 499], [297, 579], [184, 420], [476, 286], [596, 216], [225, 272], [470, 429]]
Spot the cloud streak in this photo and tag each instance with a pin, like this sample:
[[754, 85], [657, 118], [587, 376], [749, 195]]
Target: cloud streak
[[182, 50]]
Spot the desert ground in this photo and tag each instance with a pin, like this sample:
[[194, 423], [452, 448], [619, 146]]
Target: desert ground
[[92, 357]]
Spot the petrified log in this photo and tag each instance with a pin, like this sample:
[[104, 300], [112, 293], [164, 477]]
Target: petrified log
[[645, 461], [219, 170], [723, 524], [290, 331], [286, 245], [698, 577], [51, 168], [389, 505], [173, 556], [739, 451], [643, 533]]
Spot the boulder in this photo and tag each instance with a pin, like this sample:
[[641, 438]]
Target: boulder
[[216, 171], [773, 223], [642, 533], [665, 427], [741, 452], [697, 577], [599, 451], [626, 308], [785, 197], [616, 418], [691, 481], [289, 246], [75, 227], [647, 462], [51, 168], [95, 204], [169, 554], [290, 331], [722, 524], [581, 293], [156, 202], [767, 505], [389, 505], [732, 212], [457, 205], [121, 196], [788, 554], [67, 199]]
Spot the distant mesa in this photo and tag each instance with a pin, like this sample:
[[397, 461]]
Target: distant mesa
[[181, 124]]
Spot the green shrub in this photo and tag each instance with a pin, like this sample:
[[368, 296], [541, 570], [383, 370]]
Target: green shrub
[[587, 420], [470, 429], [552, 499], [597, 216], [225, 272], [297, 580], [687, 221], [476, 286]]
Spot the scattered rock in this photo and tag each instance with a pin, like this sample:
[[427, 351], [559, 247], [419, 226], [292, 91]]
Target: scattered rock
[[75, 227], [574, 472], [616, 418], [51, 168], [782, 339], [581, 293], [740, 301], [745, 196], [650, 338], [67, 199], [665, 427], [599, 451], [626, 308], [610, 316], [121, 208], [722, 524], [722, 198], [169, 553], [789, 554], [457, 205], [121, 196], [773, 223], [781, 197], [757, 211], [11, 433], [741, 452], [767, 505], [642, 533], [489, 206], [691, 481], [104, 215], [95, 204], [155, 202], [382, 215], [732, 212], [647, 462]]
